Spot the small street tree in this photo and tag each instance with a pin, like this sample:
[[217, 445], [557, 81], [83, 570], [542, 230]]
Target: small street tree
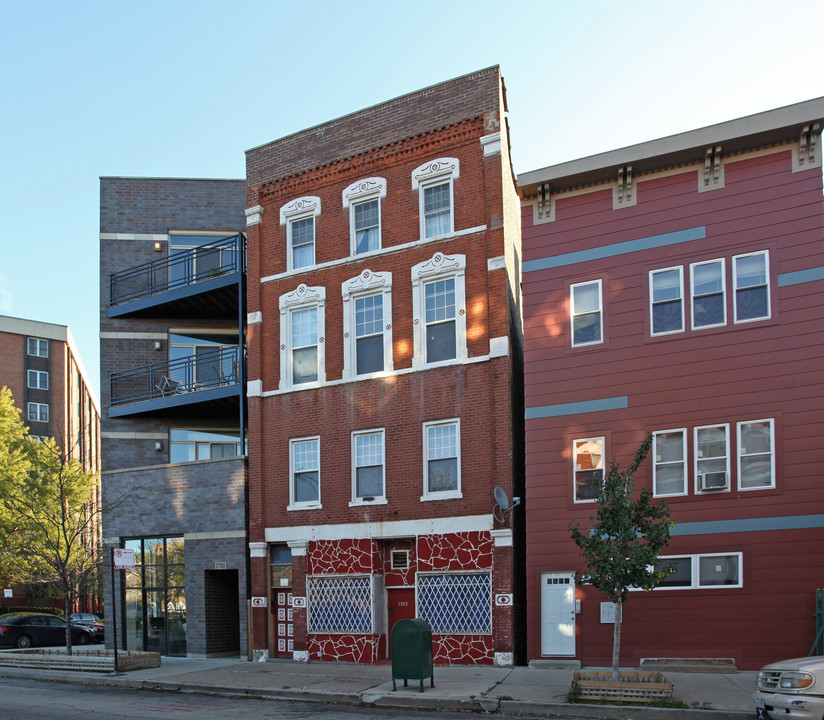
[[621, 547], [49, 511]]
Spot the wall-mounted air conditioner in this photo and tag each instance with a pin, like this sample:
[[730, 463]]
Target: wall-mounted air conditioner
[[712, 481]]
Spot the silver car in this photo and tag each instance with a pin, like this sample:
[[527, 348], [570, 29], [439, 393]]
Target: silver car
[[791, 689]]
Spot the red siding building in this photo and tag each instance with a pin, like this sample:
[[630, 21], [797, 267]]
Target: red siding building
[[674, 288], [384, 346]]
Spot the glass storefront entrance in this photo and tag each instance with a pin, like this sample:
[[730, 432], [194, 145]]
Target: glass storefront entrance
[[155, 596]]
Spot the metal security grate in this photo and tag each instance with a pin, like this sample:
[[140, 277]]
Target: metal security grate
[[456, 603], [340, 605]]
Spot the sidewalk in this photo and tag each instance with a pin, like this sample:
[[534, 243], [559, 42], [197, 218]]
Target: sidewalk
[[524, 690]]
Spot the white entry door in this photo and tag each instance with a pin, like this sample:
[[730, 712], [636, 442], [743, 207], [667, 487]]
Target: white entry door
[[558, 613]]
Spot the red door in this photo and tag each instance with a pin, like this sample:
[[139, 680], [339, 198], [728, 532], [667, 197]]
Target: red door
[[400, 606]]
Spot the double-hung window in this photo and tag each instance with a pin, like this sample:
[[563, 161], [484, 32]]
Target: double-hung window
[[38, 347], [669, 449], [439, 310], [712, 462], [37, 412], [588, 464], [368, 468], [38, 379], [434, 182], [367, 324], [751, 275], [304, 472], [756, 455], [708, 294], [299, 216], [442, 459], [586, 315], [666, 291], [363, 198], [302, 360]]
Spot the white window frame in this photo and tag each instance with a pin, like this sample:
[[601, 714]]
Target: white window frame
[[300, 209], [360, 192], [736, 289], [439, 267], [573, 314], [376, 499], [304, 504], [656, 462], [693, 296], [40, 346], [366, 284], [430, 174], [575, 469], [299, 299], [652, 302], [38, 410], [726, 427], [695, 571], [441, 494], [742, 454], [37, 379]]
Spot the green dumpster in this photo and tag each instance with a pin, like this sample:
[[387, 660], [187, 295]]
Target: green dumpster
[[412, 652]]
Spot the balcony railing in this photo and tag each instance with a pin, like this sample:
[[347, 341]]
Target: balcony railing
[[208, 369], [178, 270]]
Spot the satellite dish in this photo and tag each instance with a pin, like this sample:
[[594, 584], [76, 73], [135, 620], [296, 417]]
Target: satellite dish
[[501, 499]]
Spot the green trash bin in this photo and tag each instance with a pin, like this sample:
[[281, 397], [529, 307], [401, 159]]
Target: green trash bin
[[412, 652]]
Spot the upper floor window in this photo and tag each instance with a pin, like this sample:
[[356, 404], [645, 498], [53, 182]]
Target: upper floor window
[[363, 198], [367, 324], [434, 182], [756, 458], [669, 473], [700, 571], [38, 379], [302, 359], [750, 274], [195, 257], [37, 412], [38, 347], [191, 445], [588, 464], [708, 294], [299, 217], [438, 306], [712, 462], [368, 468], [585, 313], [442, 460], [666, 291], [304, 471]]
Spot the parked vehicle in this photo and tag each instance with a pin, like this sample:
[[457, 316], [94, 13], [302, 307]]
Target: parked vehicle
[[86, 619], [791, 689], [99, 630], [25, 630]]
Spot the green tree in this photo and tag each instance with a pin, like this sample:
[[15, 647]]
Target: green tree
[[49, 511], [622, 544]]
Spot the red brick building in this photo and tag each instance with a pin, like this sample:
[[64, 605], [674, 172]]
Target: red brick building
[[674, 288], [384, 387]]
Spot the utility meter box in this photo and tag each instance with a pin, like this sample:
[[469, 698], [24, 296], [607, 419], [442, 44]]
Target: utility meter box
[[412, 652]]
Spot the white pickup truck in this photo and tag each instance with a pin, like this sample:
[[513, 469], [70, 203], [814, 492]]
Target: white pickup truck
[[791, 689]]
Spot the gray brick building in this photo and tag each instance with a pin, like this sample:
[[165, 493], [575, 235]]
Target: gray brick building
[[172, 353]]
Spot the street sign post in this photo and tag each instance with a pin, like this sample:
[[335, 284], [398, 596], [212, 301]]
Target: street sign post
[[122, 559]]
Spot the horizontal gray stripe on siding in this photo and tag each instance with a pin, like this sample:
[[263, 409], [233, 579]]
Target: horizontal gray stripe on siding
[[801, 276], [621, 248], [575, 408], [711, 527]]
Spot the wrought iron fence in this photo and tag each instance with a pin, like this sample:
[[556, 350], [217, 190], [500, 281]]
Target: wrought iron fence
[[207, 369], [177, 270]]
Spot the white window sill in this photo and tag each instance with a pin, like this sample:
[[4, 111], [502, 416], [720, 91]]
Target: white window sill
[[358, 502], [304, 506], [446, 495]]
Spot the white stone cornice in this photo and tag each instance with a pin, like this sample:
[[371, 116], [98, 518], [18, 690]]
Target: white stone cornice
[[254, 215], [257, 549], [502, 538], [491, 144]]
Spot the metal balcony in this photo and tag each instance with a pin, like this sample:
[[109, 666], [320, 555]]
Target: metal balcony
[[191, 283], [205, 384]]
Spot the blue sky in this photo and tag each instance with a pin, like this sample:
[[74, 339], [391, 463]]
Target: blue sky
[[182, 88]]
